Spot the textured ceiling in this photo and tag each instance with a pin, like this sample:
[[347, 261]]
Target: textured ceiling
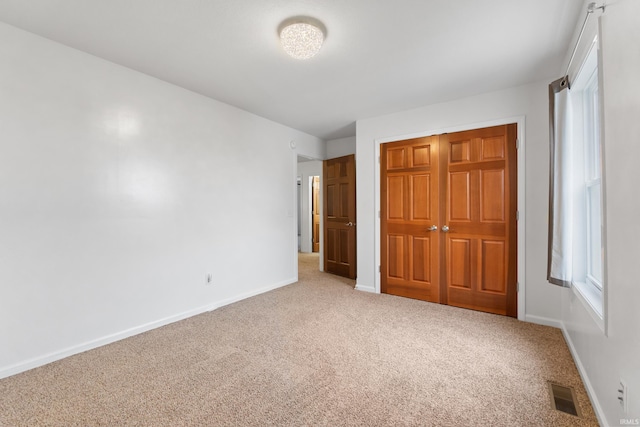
[[379, 57]]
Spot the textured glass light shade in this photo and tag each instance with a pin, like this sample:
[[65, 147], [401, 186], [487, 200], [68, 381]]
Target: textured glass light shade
[[301, 40]]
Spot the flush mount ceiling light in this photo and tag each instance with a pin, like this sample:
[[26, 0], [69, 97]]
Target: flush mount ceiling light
[[301, 38]]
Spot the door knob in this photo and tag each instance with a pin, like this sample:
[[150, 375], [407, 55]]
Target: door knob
[[350, 224], [432, 228], [445, 228]]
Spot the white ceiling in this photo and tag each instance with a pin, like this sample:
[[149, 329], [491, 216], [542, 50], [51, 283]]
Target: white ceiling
[[380, 56]]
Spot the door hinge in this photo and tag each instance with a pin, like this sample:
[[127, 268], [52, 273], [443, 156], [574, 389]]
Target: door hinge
[[378, 214], [517, 286], [378, 159], [517, 215], [379, 269], [517, 143]]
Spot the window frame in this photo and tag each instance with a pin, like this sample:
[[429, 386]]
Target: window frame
[[592, 174], [588, 147]]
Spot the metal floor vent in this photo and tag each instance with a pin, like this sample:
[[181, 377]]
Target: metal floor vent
[[563, 399]]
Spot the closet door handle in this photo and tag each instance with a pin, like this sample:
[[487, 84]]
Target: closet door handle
[[433, 228], [445, 228]]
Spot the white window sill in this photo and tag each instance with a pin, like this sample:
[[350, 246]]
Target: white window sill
[[592, 299]]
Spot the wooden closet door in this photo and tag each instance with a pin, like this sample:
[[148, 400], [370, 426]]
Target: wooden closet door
[[410, 250], [480, 199], [448, 219]]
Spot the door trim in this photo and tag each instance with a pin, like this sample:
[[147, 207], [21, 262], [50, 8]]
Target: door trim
[[520, 121]]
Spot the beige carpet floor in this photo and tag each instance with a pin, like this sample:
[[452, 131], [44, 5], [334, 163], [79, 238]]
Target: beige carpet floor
[[312, 353]]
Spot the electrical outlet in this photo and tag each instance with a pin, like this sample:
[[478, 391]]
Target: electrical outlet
[[209, 279], [622, 396]]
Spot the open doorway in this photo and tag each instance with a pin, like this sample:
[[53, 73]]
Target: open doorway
[[309, 209]]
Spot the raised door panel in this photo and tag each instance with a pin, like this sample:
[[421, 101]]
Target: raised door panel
[[421, 268], [493, 148], [492, 195], [396, 158], [396, 256], [330, 205], [459, 151], [421, 155], [459, 196], [316, 237], [420, 195], [345, 243], [332, 170], [345, 206], [459, 263], [395, 200], [492, 262], [331, 244]]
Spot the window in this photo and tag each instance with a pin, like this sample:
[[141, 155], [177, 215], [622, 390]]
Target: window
[[588, 244], [592, 182]]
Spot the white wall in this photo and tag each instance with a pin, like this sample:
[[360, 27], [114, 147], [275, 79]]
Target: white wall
[[341, 147], [119, 192], [528, 104], [604, 359], [306, 170]]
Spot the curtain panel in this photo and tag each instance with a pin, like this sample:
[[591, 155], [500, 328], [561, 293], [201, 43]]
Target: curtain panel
[[559, 267]]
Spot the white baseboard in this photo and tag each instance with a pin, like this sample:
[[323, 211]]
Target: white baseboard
[[360, 287], [90, 345], [597, 408], [251, 294], [546, 321]]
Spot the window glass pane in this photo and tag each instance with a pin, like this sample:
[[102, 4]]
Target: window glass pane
[[596, 131], [594, 233], [592, 128]]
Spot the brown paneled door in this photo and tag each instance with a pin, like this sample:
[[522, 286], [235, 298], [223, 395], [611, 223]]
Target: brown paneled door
[[315, 214], [480, 213], [339, 184], [476, 220], [410, 209]]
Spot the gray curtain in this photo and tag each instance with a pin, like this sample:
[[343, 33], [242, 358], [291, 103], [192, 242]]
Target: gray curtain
[[559, 267]]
